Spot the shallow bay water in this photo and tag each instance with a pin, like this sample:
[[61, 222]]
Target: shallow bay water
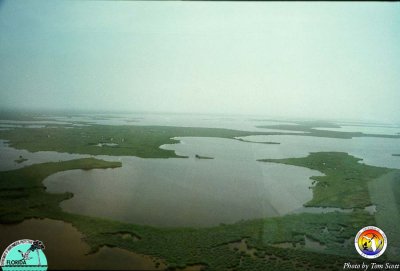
[[65, 250], [8, 155], [199, 192], [185, 192]]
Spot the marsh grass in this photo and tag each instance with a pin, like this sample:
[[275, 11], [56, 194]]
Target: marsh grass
[[345, 184], [24, 196]]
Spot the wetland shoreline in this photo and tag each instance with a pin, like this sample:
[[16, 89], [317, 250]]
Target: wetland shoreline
[[208, 248]]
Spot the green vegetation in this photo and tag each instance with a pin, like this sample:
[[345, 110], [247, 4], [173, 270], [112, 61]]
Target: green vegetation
[[385, 193], [309, 123], [183, 246], [141, 141], [268, 142], [24, 196], [202, 157], [345, 183], [309, 129]]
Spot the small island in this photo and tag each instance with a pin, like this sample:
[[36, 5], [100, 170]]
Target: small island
[[202, 157], [267, 142], [20, 159]]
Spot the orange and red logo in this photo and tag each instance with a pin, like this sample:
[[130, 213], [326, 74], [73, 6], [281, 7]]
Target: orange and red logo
[[370, 242]]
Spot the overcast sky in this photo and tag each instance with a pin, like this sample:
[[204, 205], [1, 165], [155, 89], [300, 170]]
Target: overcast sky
[[319, 60]]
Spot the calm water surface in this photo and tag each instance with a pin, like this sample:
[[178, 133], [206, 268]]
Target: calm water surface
[[198, 192], [8, 156], [185, 192], [65, 249]]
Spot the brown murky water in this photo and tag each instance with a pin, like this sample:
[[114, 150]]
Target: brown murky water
[[66, 250], [152, 191]]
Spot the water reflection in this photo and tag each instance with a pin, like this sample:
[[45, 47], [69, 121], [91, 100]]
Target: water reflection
[[385, 130], [8, 156], [373, 151], [185, 192], [65, 249]]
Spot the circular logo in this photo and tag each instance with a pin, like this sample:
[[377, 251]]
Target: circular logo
[[24, 255], [370, 242]]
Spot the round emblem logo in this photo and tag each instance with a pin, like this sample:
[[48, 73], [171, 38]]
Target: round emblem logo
[[370, 242], [24, 255]]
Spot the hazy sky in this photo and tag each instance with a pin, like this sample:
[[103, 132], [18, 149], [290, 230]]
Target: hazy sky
[[320, 60]]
